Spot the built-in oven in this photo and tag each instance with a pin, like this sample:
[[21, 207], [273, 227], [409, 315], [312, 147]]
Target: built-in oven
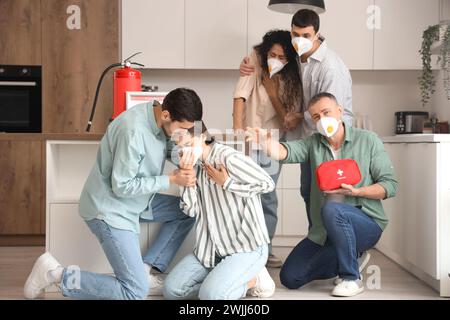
[[20, 98]]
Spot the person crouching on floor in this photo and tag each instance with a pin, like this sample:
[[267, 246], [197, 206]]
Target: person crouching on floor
[[231, 247]]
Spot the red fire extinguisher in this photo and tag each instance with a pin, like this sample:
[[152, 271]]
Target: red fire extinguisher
[[125, 79]]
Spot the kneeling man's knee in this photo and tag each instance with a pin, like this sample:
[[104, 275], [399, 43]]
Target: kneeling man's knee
[[329, 212], [291, 279]]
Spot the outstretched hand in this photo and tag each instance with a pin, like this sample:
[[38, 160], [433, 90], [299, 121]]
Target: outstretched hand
[[257, 135]]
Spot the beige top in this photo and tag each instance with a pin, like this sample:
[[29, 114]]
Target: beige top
[[259, 111]]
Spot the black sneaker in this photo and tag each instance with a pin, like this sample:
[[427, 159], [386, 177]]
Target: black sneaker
[[273, 262]]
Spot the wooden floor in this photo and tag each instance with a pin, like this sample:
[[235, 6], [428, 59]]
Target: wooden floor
[[16, 263]]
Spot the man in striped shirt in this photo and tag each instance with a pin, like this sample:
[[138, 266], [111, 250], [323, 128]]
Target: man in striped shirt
[[231, 236]]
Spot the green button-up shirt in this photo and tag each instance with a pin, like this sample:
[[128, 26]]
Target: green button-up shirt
[[368, 151], [128, 170]]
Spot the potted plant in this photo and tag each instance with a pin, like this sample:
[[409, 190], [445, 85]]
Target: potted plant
[[436, 40]]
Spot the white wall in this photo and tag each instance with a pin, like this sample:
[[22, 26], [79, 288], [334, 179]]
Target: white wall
[[377, 94], [439, 103], [215, 88]]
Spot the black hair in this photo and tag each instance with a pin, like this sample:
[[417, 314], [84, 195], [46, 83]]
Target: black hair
[[289, 74], [306, 18], [183, 105], [320, 96], [194, 130]]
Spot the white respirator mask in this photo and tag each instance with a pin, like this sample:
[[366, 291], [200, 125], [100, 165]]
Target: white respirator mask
[[302, 45], [274, 66], [327, 126]]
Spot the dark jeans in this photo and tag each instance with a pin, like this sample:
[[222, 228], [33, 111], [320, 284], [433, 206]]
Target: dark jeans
[[350, 231], [269, 200], [305, 187]]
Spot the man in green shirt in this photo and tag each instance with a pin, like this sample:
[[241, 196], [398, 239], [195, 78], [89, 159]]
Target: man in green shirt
[[121, 189], [344, 222]]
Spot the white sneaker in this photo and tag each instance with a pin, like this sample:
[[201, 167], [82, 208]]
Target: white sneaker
[[363, 260], [156, 284], [264, 287], [348, 288], [38, 279]]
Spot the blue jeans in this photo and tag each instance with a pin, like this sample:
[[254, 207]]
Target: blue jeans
[[350, 231], [269, 200], [122, 249], [176, 226], [226, 281]]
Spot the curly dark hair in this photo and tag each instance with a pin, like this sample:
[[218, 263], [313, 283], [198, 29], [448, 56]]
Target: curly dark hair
[[290, 73]]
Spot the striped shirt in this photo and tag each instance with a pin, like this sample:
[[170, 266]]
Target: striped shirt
[[229, 219]]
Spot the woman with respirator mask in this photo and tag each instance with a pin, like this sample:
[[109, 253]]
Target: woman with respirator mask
[[231, 247], [270, 98]]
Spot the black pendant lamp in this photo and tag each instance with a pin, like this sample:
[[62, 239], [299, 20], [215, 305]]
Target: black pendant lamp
[[292, 6]]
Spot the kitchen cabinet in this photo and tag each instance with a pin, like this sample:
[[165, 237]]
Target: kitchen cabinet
[[20, 32], [205, 34], [344, 26], [398, 41], [261, 20], [156, 28], [73, 58], [21, 191], [216, 34], [414, 223], [295, 221], [417, 235], [292, 219], [68, 238]]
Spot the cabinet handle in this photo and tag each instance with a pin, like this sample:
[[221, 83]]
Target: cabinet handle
[[18, 83]]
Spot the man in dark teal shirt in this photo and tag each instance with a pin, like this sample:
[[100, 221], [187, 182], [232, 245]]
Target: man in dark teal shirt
[[121, 189]]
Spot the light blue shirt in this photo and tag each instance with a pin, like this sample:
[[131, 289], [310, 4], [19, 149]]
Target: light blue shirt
[[128, 170], [325, 71]]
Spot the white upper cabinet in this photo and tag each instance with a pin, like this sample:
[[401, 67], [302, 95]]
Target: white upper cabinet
[[216, 34], [155, 27], [398, 41], [261, 20], [346, 26]]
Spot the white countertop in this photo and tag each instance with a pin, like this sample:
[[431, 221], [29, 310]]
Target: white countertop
[[416, 138]]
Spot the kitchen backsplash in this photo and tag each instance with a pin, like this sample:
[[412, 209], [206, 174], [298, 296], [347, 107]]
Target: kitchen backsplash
[[377, 95]]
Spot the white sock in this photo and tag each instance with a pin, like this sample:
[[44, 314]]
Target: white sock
[[147, 268], [55, 275]]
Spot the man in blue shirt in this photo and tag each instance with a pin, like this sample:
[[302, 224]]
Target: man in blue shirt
[[121, 189]]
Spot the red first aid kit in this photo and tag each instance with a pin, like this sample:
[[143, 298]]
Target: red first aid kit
[[331, 174]]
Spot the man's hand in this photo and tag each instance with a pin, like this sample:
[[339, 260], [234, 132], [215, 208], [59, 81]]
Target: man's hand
[[271, 85], [269, 146], [258, 135], [346, 190], [183, 177], [292, 120], [245, 68], [218, 176]]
